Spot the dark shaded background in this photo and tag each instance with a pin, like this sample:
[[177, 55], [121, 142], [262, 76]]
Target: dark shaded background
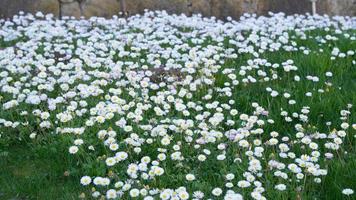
[[218, 8]]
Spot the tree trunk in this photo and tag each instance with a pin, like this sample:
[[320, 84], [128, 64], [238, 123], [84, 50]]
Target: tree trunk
[[123, 8], [60, 9], [211, 6], [81, 2], [190, 7]]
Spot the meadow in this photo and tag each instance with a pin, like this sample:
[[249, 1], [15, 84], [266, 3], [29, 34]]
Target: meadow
[[160, 106]]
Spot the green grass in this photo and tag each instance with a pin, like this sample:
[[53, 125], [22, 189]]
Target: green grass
[[43, 168], [341, 173], [36, 172]]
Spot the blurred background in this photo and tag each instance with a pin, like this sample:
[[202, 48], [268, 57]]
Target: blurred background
[[219, 8]]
